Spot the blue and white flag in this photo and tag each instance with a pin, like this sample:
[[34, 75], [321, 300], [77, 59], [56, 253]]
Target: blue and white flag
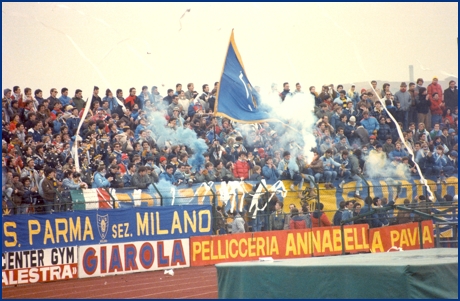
[[236, 98]]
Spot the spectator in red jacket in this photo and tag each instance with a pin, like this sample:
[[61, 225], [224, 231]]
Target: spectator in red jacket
[[297, 222], [318, 215], [434, 87], [241, 167], [436, 108]]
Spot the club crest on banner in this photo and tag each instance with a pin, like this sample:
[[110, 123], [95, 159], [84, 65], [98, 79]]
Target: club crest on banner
[[103, 226]]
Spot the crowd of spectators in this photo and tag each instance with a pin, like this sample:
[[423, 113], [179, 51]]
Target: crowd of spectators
[[118, 149]]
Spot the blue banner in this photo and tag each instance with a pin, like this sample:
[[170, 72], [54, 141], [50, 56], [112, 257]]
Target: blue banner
[[104, 226], [236, 97]]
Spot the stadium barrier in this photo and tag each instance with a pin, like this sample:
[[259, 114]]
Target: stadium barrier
[[142, 235]]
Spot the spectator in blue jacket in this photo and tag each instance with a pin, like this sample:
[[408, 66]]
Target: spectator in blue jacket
[[73, 121], [398, 153], [145, 95], [65, 99], [378, 219], [128, 176], [113, 103], [168, 175], [269, 171], [329, 173], [369, 123], [348, 212], [384, 130], [99, 178], [440, 160], [451, 167]]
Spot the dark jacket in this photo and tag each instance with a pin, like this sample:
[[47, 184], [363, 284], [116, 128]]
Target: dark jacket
[[451, 98], [17, 196], [49, 192], [423, 105], [117, 181]]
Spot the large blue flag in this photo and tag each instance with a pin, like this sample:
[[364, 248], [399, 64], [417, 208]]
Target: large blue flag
[[236, 98]]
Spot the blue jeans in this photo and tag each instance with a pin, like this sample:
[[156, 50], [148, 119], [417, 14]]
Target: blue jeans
[[48, 206], [308, 178], [330, 176], [256, 223], [435, 119], [406, 120]]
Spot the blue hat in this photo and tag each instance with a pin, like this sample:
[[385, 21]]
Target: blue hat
[[454, 154], [451, 131]]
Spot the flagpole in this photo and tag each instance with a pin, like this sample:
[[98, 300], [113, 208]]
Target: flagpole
[[223, 68]]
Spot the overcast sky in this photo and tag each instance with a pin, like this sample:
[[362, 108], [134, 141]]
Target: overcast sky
[[79, 45]]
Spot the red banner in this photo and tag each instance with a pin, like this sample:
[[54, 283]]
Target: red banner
[[405, 236], [205, 250], [328, 240]]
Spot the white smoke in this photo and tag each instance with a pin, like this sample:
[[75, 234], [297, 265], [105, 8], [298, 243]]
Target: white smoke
[[297, 114]]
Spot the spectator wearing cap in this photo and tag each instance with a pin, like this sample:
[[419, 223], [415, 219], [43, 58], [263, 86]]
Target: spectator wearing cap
[[453, 137], [370, 123], [350, 129], [404, 98], [162, 165], [177, 115]]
